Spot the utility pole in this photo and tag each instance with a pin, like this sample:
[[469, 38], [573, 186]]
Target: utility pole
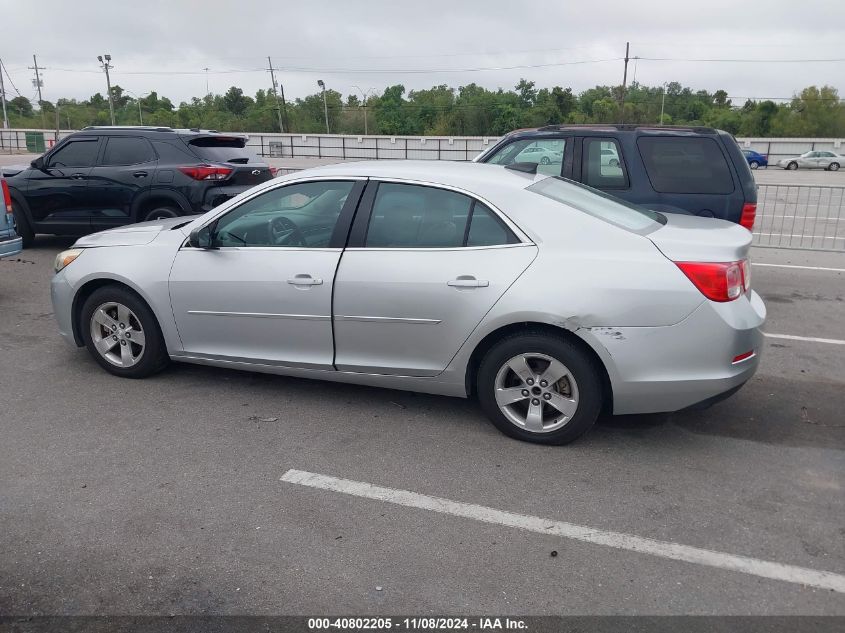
[[276, 94], [662, 104], [625, 82], [3, 98], [106, 67], [207, 91], [364, 95], [38, 83], [322, 85]]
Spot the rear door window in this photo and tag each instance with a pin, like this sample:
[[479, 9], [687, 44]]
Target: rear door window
[[221, 149], [127, 150], [546, 153], [602, 164], [685, 165]]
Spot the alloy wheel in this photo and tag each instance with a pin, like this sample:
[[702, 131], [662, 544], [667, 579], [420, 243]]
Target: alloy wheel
[[117, 334], [536, 392]]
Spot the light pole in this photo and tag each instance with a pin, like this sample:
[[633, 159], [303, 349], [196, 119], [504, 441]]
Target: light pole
[[106, 66], [325, 106], [138, 99], [364, 95]]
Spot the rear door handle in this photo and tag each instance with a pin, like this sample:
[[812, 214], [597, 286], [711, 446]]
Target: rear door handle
[[305, 280], [140, 174], [78, 176], [468, 281]]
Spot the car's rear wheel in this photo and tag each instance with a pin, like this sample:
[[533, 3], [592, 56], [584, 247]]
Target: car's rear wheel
[[754, 164], [834, 167], [539, 388], [792, 166], [122, 334], [22, 226], [160, 213]]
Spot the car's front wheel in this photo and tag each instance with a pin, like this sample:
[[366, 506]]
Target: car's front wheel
[[539, 388], [122, 334], [833, 167], [22, 226], [792, 166]]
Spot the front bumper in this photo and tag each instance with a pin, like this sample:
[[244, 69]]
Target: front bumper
[[10, 246], [660, 369], [61, 294]]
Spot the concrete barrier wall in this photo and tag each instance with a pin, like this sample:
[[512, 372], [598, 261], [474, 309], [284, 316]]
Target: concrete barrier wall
[[354, 147]]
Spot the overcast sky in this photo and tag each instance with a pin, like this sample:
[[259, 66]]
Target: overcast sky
[[165, 45]]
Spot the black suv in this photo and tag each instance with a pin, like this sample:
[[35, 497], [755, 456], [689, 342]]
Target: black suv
[[102, 177], [693, 170]]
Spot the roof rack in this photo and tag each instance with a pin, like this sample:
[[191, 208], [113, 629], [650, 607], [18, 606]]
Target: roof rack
[[151, 128], [700, 129]]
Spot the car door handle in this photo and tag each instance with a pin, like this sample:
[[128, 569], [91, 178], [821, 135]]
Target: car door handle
[[78, 176], [140, 174], [468, 281], [305, 280]]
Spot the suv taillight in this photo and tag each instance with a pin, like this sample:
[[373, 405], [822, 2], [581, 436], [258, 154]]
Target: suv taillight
[[206, 172], [749, 212], [7, 198], [719, 281]]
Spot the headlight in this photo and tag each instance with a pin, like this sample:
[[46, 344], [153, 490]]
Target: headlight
[[66, 257]]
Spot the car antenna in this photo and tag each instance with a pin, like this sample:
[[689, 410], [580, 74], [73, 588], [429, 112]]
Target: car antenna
[[526, 168]]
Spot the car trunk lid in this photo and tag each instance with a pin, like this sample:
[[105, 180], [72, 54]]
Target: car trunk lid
[[230, 151], [695, 239]]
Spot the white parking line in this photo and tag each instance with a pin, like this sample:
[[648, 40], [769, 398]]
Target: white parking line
[[618, 540], [809, 339], [835, 270]]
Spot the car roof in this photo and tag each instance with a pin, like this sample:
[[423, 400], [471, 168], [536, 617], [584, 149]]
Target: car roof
[[476, 177]]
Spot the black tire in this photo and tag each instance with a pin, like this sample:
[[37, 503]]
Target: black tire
[[545, 160], [613, 162], [754, 164], [579, 363], [159, 212], [833, 167], [22, 226], [792, 166], [154, 357]]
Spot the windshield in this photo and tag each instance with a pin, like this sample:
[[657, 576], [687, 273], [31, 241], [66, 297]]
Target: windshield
[[598, 204]]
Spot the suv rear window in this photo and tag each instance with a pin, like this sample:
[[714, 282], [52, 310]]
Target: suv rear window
[[220, 149], [685, 165]]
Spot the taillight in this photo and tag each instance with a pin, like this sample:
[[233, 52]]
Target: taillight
[[7, 198], [206, 172], [749, 212], [746, 274], [718, 281], [274, 171]]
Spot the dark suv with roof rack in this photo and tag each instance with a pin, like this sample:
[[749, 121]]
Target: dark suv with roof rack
[[102, 177], [692, 170]]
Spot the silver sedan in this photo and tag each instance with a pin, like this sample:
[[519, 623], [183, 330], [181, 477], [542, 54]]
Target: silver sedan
[[547, 301], [813, 160]]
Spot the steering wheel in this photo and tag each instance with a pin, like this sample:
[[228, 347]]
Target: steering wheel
[[283, 232]]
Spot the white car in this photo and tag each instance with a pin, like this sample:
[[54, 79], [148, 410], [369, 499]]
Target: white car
[[813, 160], [539, 155]]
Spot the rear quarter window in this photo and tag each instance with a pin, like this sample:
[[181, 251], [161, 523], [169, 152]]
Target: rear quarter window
[[685, 165]]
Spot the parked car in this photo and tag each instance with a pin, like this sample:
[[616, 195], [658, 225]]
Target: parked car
[[435, 277], [10, 242], [102, 177], [538, 154], [813, 160], [755, 159], [691, 170]]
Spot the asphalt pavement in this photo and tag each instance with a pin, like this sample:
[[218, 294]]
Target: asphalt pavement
[[166, 495]]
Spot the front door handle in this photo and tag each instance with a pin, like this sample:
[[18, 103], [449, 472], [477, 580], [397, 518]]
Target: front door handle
[[305, 280], [140, 174], [78, 176], [468, 281]]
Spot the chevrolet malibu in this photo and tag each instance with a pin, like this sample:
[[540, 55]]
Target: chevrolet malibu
[[543, 299]]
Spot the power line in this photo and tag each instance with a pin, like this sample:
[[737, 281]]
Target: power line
[[14, 87], [744, 61]]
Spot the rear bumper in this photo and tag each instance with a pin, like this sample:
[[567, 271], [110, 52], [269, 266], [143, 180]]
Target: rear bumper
[[10, 246], [689, 364]]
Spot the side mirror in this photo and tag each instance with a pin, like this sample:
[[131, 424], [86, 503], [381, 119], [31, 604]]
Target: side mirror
[[202, 237], [38, 163]]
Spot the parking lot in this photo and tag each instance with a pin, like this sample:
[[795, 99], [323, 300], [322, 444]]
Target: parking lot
[[178, 494]]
